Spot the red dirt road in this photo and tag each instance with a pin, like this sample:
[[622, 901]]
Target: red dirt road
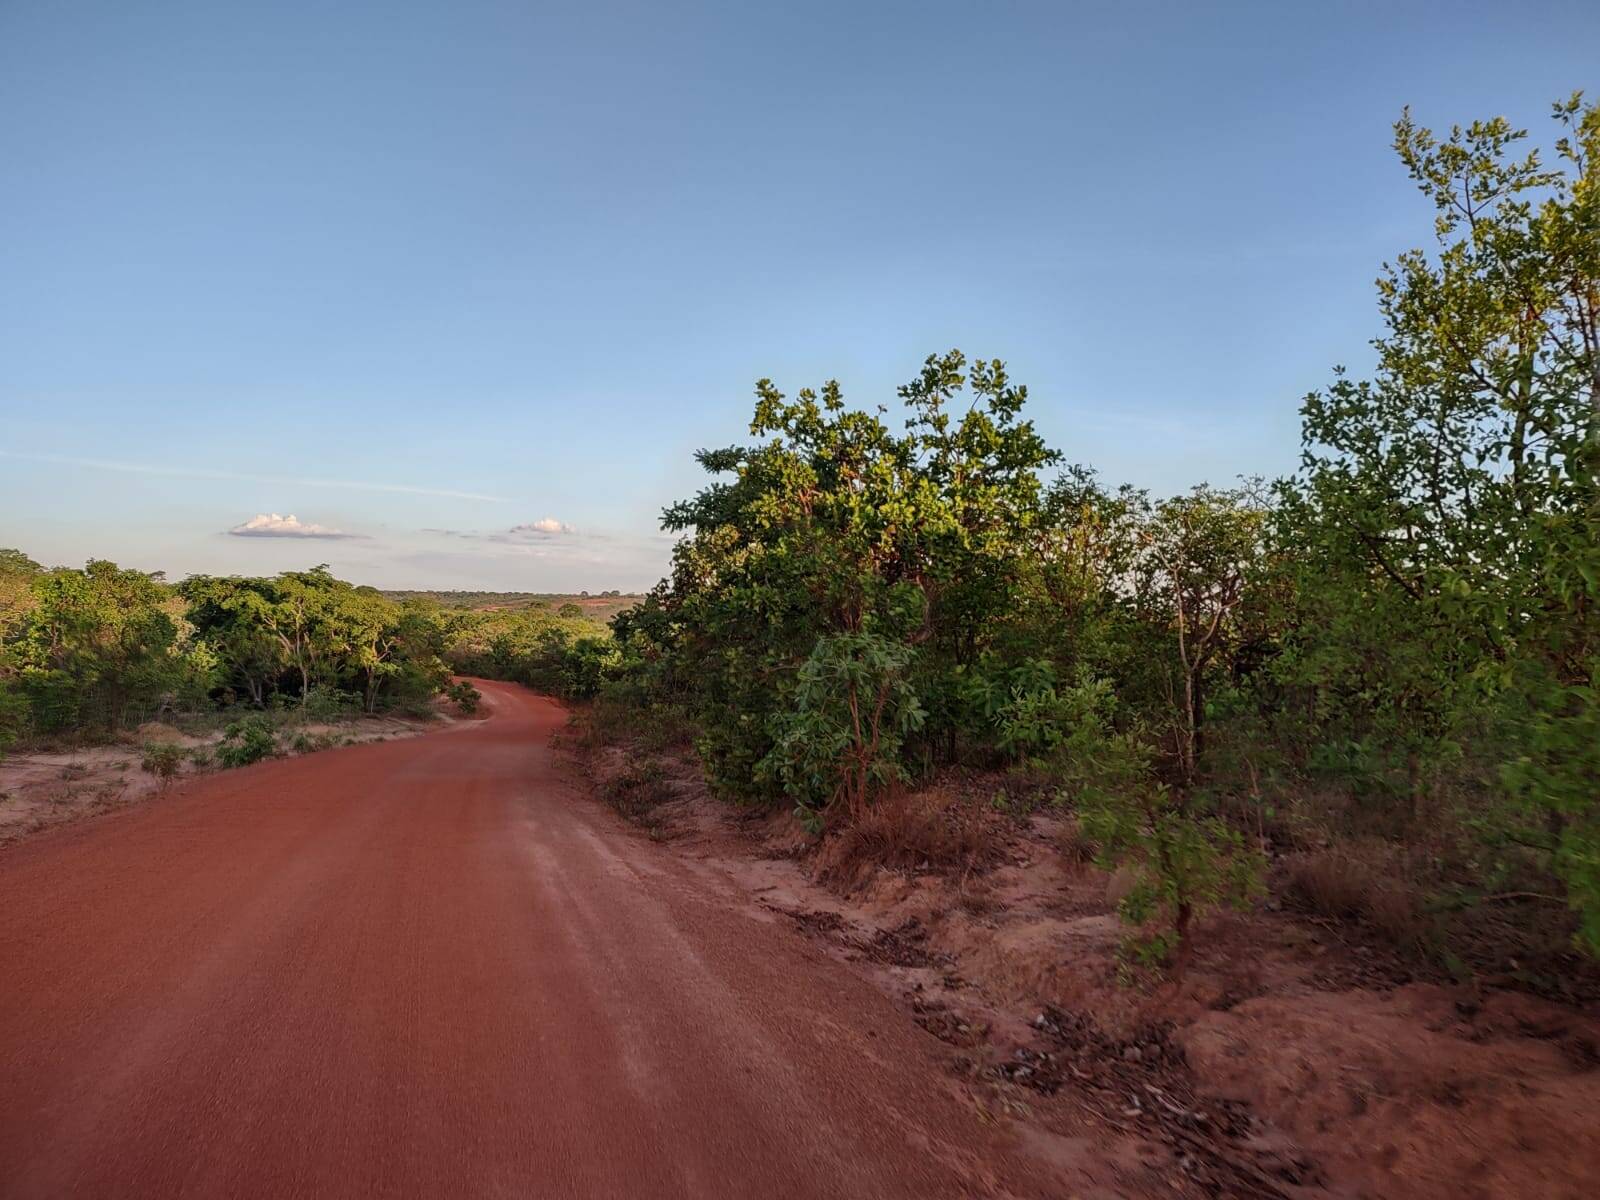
[[434, 968]]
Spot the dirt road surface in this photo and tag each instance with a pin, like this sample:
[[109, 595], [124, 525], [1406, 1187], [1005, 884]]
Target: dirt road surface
[[436, 968]]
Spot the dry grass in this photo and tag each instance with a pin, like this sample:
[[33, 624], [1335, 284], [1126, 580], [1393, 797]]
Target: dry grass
[[637, 789], [1360, 881], [910, 831], [607, 722], [601, 723], [1076, 849]]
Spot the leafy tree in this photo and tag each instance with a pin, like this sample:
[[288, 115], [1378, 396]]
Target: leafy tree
[[464, 696], [837, 746], [252, 656], [1185, 863], [1202, 550], [835, 524], [1450, 504], [94, 644], [305, 629], [17, 573]]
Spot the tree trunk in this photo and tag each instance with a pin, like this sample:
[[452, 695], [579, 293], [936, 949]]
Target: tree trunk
[[1185, 948], [1187, 732]]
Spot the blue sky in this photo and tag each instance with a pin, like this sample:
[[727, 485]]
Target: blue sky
[[468, 282]]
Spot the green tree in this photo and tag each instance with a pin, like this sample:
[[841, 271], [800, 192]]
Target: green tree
[[1202, 553], [1451, 501], [224, 614], [1185, 862], [96, 646], [837, 745], [835, 524]]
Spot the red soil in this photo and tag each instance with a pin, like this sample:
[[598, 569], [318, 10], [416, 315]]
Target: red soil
[[433, 968], [1288, 1063]]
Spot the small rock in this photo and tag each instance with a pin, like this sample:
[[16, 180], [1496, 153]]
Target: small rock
[[1133, 1054]]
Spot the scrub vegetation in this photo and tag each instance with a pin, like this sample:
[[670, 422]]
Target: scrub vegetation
[[86, 654], [1381, 670]]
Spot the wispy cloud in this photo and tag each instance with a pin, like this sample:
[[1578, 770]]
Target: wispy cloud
[[543, 555], [175, 472], [544, 529], [271, 525]]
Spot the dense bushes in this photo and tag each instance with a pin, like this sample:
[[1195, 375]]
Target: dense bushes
[[163, 760], [84, 653], [562, 653], [464, 696], [247, 741], [309, 634], [98, 647], [1399, 642]]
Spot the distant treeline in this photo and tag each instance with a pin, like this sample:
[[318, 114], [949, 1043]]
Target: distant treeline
[[606, 602], [85, 652]]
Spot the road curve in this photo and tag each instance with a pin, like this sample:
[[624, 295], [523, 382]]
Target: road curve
[[434, 967]]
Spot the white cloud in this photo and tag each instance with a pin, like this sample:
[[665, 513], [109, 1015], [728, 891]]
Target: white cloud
[[547, 527], [271, 525], [518, 535]]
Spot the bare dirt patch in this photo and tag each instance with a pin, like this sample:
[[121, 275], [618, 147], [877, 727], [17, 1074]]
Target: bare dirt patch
[[43, 788], [1296, 1059]]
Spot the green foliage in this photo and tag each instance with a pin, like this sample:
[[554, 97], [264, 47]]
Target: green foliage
[[247, 741], [327, 704], [310, 743], [1554, 782], [1408, 628], [1015, 707], [834, 525], [567, 656], [1442, 545], [308, 635], [464, 696], [598, 609], [163, 760], [13, 715], [1095, 758], [1185, 863], [838, 740], [1196, 577], [94, 649]]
